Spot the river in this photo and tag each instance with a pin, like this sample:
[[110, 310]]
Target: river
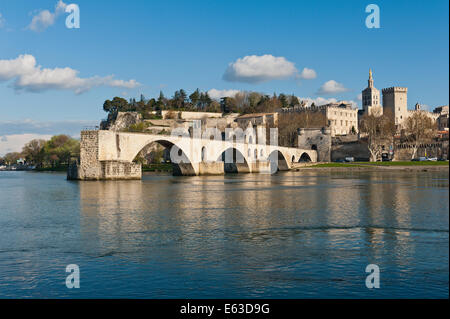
[[290, 235]]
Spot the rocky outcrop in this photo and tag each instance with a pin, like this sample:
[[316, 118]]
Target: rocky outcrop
[[124, 120]]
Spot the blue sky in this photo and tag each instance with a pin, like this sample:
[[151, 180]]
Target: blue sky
[[125, 48]]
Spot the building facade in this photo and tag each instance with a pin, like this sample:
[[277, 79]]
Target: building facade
[[318, 139], [442, 120], [342, 118]]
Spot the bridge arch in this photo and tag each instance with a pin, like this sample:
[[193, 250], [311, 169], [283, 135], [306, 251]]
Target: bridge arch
[[239, 163], [304, 158], [278, 161], [184, 167]]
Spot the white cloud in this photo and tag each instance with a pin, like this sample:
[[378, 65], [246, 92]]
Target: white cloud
[[359, 97], [317, 101], [31, 77], [2, 21], [131, 84], [44, 18], [15, 142], [218, 94], [308, 74], [331, 87], [256, 69], [321, 101]]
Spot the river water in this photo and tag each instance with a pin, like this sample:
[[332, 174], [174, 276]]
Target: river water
[[290, 235]]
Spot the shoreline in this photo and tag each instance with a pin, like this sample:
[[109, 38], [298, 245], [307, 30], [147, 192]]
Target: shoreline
[[372, 167], [331, 167]]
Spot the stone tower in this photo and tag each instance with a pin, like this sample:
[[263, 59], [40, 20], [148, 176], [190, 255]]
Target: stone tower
[[395, 104], [371, 98]]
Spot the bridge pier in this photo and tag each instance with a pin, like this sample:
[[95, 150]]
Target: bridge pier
[[202, 168], [260, 167]]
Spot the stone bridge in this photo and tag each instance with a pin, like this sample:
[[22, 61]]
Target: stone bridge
[[109, 155]]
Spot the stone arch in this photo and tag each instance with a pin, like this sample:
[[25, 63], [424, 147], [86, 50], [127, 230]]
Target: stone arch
[[278, 162], [239, 163], [185, 167], [304, 158]]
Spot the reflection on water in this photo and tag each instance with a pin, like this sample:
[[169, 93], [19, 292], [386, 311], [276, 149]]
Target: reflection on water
[[291, 235]]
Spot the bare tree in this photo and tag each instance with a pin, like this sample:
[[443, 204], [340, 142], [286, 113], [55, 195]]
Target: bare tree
[[289, 123], [379, 130], [419, 128]]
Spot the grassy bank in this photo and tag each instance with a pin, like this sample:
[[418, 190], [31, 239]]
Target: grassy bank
[[381, 165], [362, 164], [163, 167], [405, 163]]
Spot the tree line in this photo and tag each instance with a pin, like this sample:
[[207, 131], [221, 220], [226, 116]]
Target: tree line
[[242, 102], [53, 153]]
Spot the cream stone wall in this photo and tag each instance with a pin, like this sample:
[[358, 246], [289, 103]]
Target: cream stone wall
[[183, 115], [395, 104], [341, 120]]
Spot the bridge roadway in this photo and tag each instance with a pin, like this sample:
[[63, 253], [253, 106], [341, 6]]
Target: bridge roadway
[[109, 155]]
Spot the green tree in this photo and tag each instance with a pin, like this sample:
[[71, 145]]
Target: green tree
[[161, 102], [33, 152], [194, 98], [11, 158], [117, 104], [283, 100], [60, 148], [293, 101], [205, 100]]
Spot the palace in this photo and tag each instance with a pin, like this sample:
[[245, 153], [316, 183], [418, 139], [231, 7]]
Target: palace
[[395, 105]]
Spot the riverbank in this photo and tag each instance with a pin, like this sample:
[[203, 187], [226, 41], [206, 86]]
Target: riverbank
[[378, 166], [163, 167]]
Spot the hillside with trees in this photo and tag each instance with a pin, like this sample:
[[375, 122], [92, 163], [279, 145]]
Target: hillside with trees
[[242, 102]]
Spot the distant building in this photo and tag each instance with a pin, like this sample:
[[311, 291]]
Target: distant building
[[418, 108], [395, 104], [442, 119], [318, 139], [342, 118], [258, 119], [371, 98]]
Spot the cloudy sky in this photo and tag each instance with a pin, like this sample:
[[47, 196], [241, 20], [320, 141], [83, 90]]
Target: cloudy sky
[[54, 79]]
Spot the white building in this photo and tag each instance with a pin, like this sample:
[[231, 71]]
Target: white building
[[342, 118]]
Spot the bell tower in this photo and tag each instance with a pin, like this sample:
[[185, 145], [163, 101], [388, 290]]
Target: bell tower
[[371, 98]]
